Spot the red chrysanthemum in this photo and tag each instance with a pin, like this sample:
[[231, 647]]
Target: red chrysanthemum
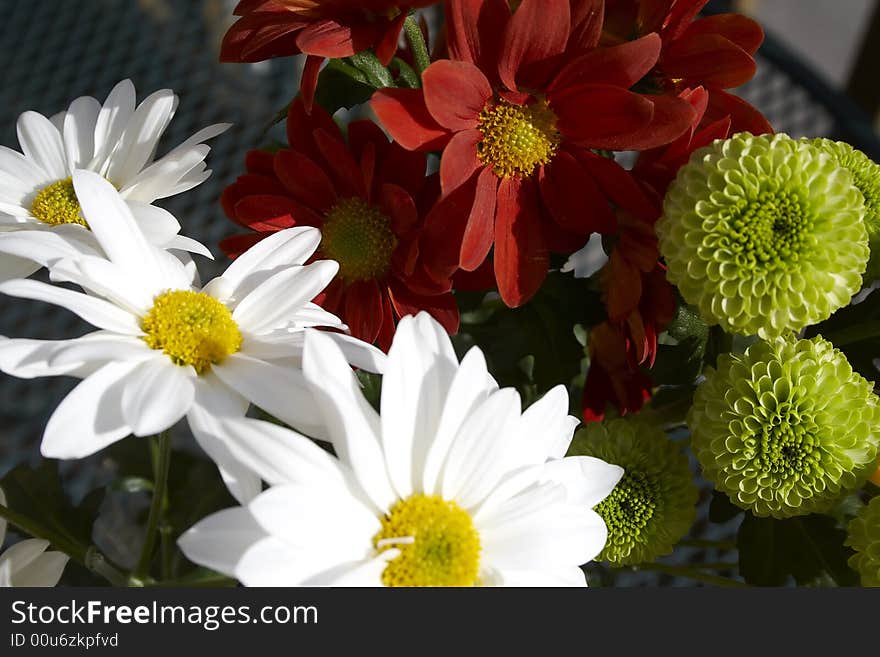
[[368, 198], [715, 52], [517, 111], [318, 28]]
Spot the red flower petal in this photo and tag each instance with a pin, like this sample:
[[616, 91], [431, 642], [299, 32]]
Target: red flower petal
[[624, 286], [400, 206], [444, 231], [620, 66], [672, 118], [521, 259], [304, 179], [620, 187], [743, 117], [404, 168], [586, 24], [267, 212], [363, 309], [475, 29], [386, 331], [328, 38], [260, 36], [600, 116], [441, 307], [681, 15], [363, 132], [479, 232], [455, 93], [538, 30], [459, 161], [256, 161], [573, 198], [387, 45], [406, 117], [348, 176], [247, 185], [301, 126], [309, 81], [741, 30], [237, 244], [711, 59]]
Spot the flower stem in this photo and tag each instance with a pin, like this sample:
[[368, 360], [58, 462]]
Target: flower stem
[[161, 451], [88, 556], [417, 42], [691, 573]]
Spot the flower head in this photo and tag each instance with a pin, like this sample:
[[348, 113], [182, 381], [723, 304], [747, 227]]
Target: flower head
[[318, 28], [166, 349], [116, 140], [764, 234], [786, 428], [368, 197], [451, 484], [866, 176], [518, 111], [864, 538], [654, 505], [27, 563]]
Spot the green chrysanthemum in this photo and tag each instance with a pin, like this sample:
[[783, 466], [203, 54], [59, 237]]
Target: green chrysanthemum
[[654, 504], [765, 234], [864, 538], [786, 428], [866, 176]]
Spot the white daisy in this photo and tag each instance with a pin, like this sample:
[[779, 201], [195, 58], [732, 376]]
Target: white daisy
[[115, 140], [27, 563], [164, 349], [451, 485]]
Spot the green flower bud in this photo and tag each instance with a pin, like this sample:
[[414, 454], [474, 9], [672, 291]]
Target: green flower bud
[[864, 538], [785, 428], [654, 504], [764, 234]]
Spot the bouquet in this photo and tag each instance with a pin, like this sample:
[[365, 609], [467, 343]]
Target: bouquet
[[527, 297]]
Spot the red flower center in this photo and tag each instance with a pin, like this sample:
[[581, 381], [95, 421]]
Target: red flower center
[[517, 138], [359, 237]]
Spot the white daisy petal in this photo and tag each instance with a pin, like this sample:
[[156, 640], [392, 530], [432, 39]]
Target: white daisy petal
[[79, 132], [103, 278], [546, 427], [586, 480], [23, 553], [222, 539], [272, 562], [352, 424], [417, 377], [41, 142], [28, 359], [163, 178], [157, 224], [12, 267], [43, 571], [90, 417], [112, 119], [157, 394], [138, 142], [19, 167], [98, 312], [188, 244], [572, 576], [357, 352], [272, 303], [41, 248], [357, 574], [98, 348]]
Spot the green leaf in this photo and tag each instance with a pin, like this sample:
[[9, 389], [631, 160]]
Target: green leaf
[[342, 86], [371, 386], [808, 549], [405, 74], [376, 73]]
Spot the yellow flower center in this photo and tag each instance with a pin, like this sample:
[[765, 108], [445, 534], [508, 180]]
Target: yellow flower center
[[57, 204], [192, 328], [359, 237], [438, 543], [517, 138]]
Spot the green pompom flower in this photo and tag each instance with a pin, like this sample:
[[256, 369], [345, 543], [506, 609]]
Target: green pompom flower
[[864, 538], [866, 176], [786, 428], [654, 504], [765, 234]]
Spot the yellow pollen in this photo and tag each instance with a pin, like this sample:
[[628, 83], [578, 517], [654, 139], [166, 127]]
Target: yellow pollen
[[359, 237], [57, 204], [438, 543], [192, 328], [517, 138]]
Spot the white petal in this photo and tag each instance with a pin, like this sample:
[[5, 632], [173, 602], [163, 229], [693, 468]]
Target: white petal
[[79, 132], [162, 179], [101, 277], [586, 480], [357, 352], [90, 417], [29, 359], [112, 119], [157, 394], [44, 571], [157, 224], [272, 562], [570, 576], [221, 540], [471, 386], [41, 142], [284, 248], [188, 244], [362, 573], [352, 424], [274, 302], [546, 427], [590, 259], [98, 348], [23, 553], [138, 142], [280, 391], [418, 375], [12, 267], [42, 248], [479, 456], [95, 311], [280, 455], [202, 135], [17, 166]]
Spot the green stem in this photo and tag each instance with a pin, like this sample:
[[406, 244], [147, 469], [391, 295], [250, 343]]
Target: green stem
[[161, 451], [196, 579], [88, 556], [691, 573], [417, 42]]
